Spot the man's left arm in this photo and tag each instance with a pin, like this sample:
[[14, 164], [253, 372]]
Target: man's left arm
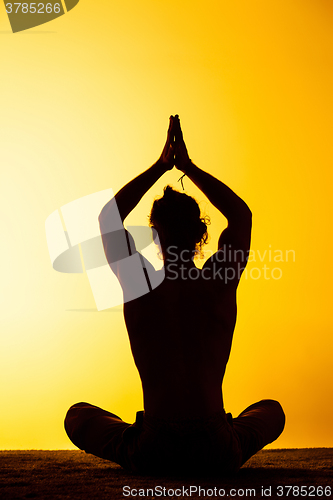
[[129, 196], [117, 242]]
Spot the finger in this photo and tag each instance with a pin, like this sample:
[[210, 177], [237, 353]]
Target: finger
[[170, 134], [171, 124], [169, 145], [170, 154], [178, 130], [172, 131]]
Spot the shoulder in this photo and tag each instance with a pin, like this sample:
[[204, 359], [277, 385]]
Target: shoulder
[[136, 275], [228, 263]]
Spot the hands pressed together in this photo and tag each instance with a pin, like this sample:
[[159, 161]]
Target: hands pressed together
[[175, 152]]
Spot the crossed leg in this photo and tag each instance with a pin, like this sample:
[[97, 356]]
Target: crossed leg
[[258, 425], [102, 433], [97, 431]]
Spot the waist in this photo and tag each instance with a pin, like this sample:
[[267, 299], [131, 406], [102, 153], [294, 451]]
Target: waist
[[190, 444], [153, 422], [191, 403]]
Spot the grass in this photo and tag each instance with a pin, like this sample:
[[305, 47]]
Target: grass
[[76, 475]]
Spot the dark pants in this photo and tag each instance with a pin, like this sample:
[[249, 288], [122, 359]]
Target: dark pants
[[218, 444]]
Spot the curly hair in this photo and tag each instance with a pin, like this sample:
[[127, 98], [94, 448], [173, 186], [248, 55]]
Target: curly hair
[[176, 217]]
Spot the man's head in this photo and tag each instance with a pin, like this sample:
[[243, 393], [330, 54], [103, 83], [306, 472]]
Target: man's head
[[176, 218]]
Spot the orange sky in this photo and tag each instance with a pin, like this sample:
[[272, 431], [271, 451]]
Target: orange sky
[[85, 102]]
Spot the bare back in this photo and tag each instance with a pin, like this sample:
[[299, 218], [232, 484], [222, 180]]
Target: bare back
[[180, 335]]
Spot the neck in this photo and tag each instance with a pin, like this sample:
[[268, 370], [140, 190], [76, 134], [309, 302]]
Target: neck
[[178, 262]]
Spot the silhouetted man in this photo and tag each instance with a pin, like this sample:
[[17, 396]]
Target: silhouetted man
[[180, 334]]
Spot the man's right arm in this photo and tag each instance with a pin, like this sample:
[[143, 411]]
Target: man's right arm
[[221, 196], [234, 241]]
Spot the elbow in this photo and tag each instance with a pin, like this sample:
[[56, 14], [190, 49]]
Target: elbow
[[249, 213], [248, 217], [101, 216], [246, 212], [244, 217], [107, 210], [241, 217], [110, 218]]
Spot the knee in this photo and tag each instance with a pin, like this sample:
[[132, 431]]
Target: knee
[[74, 409], [73, 420], [277, 408], [278, 415], [282, 416]]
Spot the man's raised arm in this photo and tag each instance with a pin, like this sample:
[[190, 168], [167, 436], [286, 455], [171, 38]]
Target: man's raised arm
[[221, 196], [129, 196]]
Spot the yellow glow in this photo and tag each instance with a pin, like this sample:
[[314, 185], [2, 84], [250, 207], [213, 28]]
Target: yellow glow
[[85, 102]]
